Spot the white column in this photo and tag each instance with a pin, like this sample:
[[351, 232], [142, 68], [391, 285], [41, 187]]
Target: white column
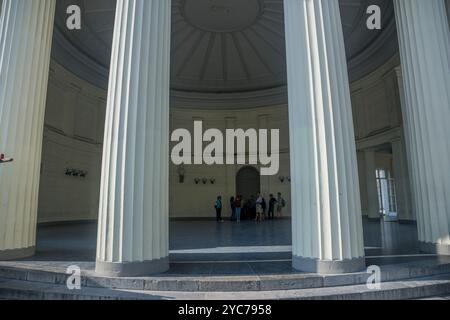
[[134, 200], [26, 30], [448, 11], [327, 222], [373, 206], [404, 211], [424, 38]]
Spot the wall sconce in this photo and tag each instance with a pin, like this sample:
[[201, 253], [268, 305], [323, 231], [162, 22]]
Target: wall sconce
[[76, 173], [83, 174], [205, 180], [282, 179]]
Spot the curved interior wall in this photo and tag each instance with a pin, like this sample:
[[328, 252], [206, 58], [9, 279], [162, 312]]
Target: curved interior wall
[[73, 136]]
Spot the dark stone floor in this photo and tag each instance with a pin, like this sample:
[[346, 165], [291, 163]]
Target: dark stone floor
[[207, 234], [206, 237], [208, 248]]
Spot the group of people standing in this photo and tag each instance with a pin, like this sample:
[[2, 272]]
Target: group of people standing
[[254, 208]]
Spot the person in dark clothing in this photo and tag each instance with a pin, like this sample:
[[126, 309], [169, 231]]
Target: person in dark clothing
[[272, 203], [218, 207], [233, 209], [264, 207], [238, 206]]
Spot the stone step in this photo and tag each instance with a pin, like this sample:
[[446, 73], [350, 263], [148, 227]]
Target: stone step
[[254, 283], [395, 290]]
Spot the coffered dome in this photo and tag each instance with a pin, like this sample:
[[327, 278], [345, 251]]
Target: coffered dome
[[222, 50]]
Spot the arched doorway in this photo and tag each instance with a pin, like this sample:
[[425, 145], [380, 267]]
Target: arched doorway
[[248, 184]]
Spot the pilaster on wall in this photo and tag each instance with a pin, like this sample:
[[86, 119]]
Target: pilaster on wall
[[263, 123], [230, 123], [373, 209], [402, 181]]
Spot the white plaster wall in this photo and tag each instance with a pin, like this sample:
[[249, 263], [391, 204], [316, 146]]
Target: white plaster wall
[[73, 137], [383, 160], [376, 102], [191, 200], [377, 116]]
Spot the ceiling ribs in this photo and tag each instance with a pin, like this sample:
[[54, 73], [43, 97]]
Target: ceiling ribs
[[211, 41], [241, 55], [190, 53]]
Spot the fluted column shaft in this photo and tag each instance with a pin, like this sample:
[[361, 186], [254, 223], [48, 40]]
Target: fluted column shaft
[[26, 30], [424, 38], [448, 11], [327, 223], [133, 218], [371, 182]]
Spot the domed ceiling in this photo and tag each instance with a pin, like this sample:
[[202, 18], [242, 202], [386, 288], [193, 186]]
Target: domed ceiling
[[221, 49]]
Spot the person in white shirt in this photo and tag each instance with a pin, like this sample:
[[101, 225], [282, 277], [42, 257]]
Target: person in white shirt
[[259, 208]]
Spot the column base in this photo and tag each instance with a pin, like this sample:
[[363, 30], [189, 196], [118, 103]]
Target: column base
[[328, 267], [434, 248], [132, 269], [17, 254]]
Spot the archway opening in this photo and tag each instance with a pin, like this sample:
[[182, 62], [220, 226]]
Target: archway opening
[[248, 185]]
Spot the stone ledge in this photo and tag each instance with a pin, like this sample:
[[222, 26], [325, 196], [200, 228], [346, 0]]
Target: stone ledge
[[396, 290], [17, 254], [225, 283], [328, 266], [439, 249], [132, 269]]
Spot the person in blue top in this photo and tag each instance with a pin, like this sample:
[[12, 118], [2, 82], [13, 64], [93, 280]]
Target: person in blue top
[[218, 207]]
